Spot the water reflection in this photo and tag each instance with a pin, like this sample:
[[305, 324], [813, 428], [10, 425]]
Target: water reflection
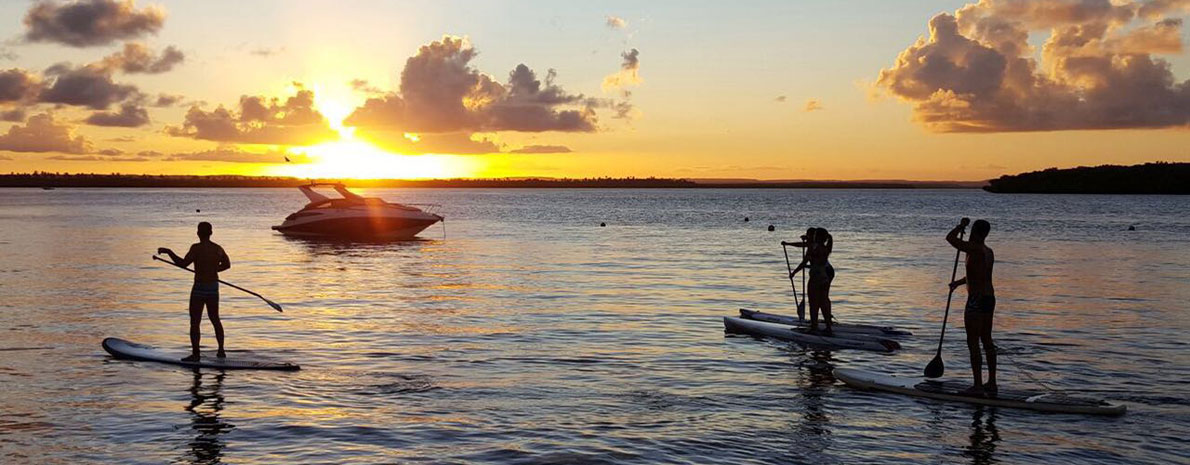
[[812, 431], [984, 437], [206, 403], [332, 246]]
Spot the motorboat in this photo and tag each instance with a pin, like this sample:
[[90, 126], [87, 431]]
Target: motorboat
[[355, 217]]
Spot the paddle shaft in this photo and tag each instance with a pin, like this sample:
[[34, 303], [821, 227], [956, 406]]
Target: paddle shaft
[[790, 268], [225, 283], [953, 274]]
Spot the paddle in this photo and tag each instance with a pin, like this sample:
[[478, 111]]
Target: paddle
[[275, 305], [936, 368], [801, 304]]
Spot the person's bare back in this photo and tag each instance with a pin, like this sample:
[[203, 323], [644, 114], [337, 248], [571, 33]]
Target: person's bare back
[[209, 259], [980, 260]]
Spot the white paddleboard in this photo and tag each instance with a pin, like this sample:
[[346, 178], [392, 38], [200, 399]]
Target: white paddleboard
[[788, 333], [128, 350], [837, 327], [949, 391]]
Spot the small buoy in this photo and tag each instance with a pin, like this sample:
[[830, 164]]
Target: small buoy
[[745, 219], [1132, 228], [602, 225], [772, 228], [197, 210]]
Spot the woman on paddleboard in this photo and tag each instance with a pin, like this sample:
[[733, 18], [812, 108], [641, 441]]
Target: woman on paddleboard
[[208, 259], [818, 244]]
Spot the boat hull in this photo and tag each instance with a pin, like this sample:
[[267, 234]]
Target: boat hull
[[364, 227]]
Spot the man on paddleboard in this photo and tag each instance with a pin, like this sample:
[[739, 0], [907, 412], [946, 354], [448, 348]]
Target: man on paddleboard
[[208, 259], [981, 301]]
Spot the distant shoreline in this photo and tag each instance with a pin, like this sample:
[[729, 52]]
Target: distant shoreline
[[56, 180]]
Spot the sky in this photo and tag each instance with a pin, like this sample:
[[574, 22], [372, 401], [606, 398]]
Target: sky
[[921, 90]]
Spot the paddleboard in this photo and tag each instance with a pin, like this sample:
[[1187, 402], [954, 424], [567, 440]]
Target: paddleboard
[[128, 350], [949, 391], [837, 327], [789, 333]]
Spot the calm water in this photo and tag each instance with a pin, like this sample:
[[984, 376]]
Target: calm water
[[532, 335]]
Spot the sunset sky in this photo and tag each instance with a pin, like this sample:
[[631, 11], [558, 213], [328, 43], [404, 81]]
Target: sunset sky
[[880, 89]]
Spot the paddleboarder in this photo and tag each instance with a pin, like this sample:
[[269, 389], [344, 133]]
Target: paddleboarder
[[208, 259], [981, 301], [819, 244]]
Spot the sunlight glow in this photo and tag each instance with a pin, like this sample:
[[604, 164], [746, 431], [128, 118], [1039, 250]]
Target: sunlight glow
[[352, 158]]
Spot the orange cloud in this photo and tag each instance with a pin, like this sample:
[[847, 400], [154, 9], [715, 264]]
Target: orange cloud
[[259, 120], [976, 71]]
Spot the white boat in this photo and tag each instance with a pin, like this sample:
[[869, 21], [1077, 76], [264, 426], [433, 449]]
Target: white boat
[[355, 217]]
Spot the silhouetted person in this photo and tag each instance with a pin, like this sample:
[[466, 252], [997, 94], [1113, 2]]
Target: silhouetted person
[[818, 244], [208, 259], [981, 301]]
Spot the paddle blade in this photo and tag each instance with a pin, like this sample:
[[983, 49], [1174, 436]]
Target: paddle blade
[[275, 305], [801, 310], [935, 368]]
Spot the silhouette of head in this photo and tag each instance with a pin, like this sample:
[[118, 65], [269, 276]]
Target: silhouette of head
[[980, 230], [821, 236], [204, 230]]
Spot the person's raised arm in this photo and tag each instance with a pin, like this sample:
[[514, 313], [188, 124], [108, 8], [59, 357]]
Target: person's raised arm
[[180, 261], [805, 261], [953, 236], [829, 243]]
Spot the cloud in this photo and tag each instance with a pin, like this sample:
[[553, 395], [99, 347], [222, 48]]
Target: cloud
[[168, 100], [266, 52], [91, 86], [542, 149], [629, 73], [111, 152], [96, 158], [18, 85], [441, 93], [7, 54], [131, 115], [362, 85], [781, 99], [813, 105], [616, 22], [230, 154], [259, 120], [135, 57], [42, 134], [15, 115], [85, 23], [978, 72], [450, 143]]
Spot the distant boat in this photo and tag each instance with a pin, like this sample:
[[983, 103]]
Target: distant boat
[[355, 217]]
